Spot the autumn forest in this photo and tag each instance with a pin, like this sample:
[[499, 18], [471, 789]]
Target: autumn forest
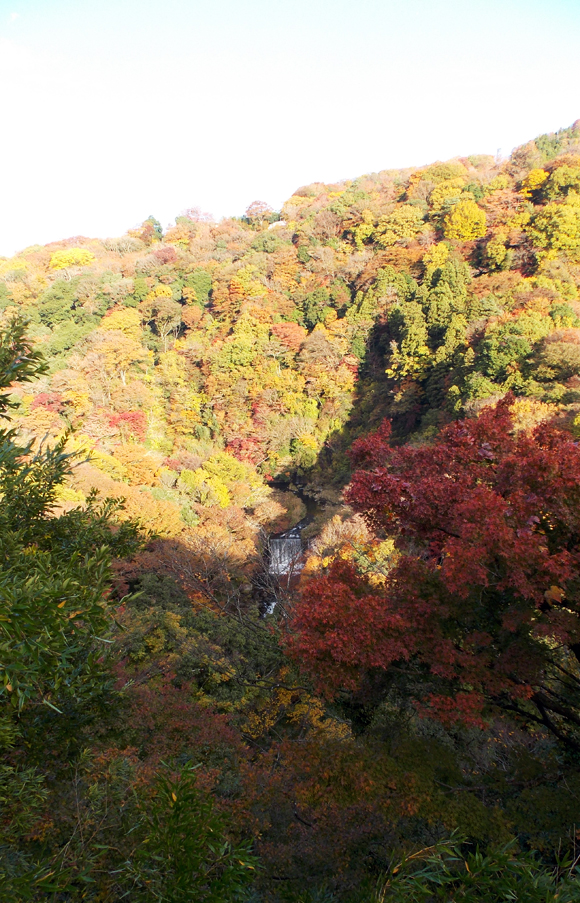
[[290, 547]]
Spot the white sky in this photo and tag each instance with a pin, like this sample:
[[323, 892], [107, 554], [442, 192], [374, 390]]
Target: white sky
[[112, 110]]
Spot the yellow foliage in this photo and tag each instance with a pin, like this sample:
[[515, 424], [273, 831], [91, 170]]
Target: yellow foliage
[[75, 392], [109, 465], [465, 222], [576, 426], [21, 293], [308, 441], [120, 351], [12, 264], [180, 235], [338, 537], [141, 466], [405, 222], [451, 188], [305, 713], [246, 283], [68, 494], [160, 291], [496, 250], [71, 257], [528, 413], [556, 228], [435, 258], [286, 270], [534, 180], [500, 183], [364, 230], [41, 421], [127, 320]]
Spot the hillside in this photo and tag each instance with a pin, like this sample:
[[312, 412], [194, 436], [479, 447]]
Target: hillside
[[417, 294], [201, 375]]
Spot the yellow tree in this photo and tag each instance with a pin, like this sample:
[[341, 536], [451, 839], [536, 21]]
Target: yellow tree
[[111, 356], [405, 221], [126, 320], [556, 229], [71, 257], [465, 222], [533, 182]]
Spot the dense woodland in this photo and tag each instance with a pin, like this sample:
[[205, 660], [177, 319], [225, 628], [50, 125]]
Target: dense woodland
[[403, 724]]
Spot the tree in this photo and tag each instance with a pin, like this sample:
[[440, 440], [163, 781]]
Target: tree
[[184, 853], [198, 286], [465, 222], [563, 182], [532, 185], [556, 228], [54, 570], [404, 222], [55, 578], [165, 313], [113, 354], [148, 232], [71, 257], [479, 608], [258, 212], [125, 320]]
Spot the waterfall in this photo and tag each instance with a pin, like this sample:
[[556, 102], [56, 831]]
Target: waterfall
[[286, 553]]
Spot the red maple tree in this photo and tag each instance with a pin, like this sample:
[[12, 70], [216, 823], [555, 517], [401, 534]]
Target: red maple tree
[[481, 606]]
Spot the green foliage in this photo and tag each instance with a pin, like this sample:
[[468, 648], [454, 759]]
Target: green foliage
[[564, 316], [268, 243], [409, 353], [184, 853], [556, 229], [54, 577], [200, 282], [445, 872], [400, 327], [563, 181], [140, 289], [58, 304], [226, 660], [55, 569], [157, 227], [64, 338], [553, 143], [315, 307]]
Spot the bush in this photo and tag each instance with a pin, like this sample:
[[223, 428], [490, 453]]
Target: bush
[[444, 873]]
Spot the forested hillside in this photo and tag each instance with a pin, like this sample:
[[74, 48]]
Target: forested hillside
[[417, 328], [414, 294]]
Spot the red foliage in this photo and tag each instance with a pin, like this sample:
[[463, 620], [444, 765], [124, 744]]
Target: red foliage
[[246, 449], [165, 255], [133, 423], [173, 464], [52, 401], [487, 523], [165, 722], [290, 334]]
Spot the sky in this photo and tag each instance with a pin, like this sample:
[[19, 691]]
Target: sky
[[115, 110]]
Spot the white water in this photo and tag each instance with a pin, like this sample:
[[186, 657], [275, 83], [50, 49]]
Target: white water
[[286, 553]]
